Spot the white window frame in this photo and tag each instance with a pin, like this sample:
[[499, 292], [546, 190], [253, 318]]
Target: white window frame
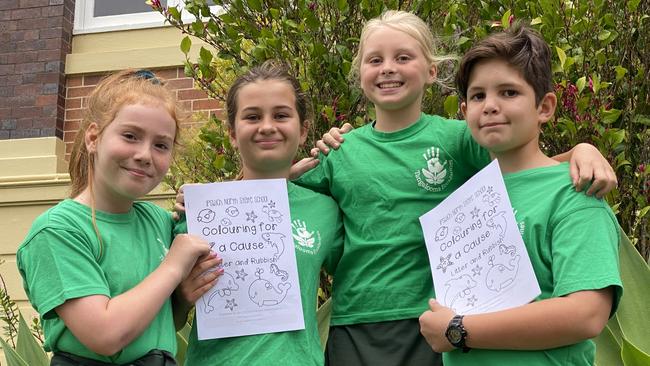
[[85, 22]]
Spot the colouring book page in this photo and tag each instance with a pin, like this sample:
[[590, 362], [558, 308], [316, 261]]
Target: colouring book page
[[479, 262], [249, 224]]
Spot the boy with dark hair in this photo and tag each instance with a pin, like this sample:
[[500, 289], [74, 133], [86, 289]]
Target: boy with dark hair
[[505, 82]]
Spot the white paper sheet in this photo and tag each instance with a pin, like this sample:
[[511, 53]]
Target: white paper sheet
[[249, 224], [478, 259]]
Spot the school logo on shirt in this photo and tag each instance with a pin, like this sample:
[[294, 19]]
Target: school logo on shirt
[[308, 241], [436, 171]]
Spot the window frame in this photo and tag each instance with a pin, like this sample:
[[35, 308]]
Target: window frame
[[85, 22]]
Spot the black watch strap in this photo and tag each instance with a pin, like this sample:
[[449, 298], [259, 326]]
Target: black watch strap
[[457, 334]]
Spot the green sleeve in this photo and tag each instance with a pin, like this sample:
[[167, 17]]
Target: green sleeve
[[180, 226], [336, 247], [58, 265], [584, 249], [319, 179]]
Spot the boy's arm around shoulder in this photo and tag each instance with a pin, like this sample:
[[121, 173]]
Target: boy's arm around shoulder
[[587, 164]]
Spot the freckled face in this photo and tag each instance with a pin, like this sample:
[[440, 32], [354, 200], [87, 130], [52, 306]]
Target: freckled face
[[132, 154]]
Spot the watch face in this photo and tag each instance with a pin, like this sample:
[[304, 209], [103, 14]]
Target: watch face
[[455, 335]]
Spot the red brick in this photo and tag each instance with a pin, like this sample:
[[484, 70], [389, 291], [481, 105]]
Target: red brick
[[49, 55], [21, 101], [71, 125], [185, 83], [93, 79], [79, 91], [21, 57], [7, 69], [73, 114], [52, 43], [189, 94], [44, 122], [50, 33], [8, 4], [27, 89], [43, 100], [33, 3], [5, 112], [29, 67], [73, 103], [8, 26], [53, 11], [167, 74], [198, 105], [30, 13], [38, 44], [72, 81], [24, 123], [69, 136], [38, 23]]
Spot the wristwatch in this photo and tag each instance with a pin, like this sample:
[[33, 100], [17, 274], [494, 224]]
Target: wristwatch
[[457, 334]]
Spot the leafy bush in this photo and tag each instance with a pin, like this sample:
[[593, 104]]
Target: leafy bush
[[602, 58]]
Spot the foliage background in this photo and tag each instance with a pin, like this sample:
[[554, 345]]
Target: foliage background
[[601, 62], [602, 57]]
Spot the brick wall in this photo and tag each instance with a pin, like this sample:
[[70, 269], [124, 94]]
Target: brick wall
[[79, 86], [35, 37]]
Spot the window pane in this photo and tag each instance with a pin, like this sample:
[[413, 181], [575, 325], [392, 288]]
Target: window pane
[[118, 7]]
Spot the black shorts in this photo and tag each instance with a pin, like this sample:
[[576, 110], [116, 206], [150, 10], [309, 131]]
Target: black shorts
[[153, 358], [391, 343]]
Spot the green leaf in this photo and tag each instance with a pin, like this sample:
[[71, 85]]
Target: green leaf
[[633, 356], [604, 34], [580, 84], [205, 55], [505, 19], [608, 350], [461, 41], [219, 162], [632, 5], [13, 358], [620, 72], [186, 44], [561, 55], [174, 13], [635, 275], [643, 212], [536, 21], [342, 5], [451, 105], [28, 347], [323, 315], [641, 119], [255, 5], [610, 116]]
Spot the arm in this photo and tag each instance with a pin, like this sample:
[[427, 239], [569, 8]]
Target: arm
[[197, 283], [332, 138], [539, 325], [587, 164], [123, 318]]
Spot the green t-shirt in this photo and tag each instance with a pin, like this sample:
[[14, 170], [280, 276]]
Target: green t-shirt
[[60, 260], [383, 182], [318, 240], [572, 240]]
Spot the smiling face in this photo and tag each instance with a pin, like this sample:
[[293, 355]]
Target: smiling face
[[267, 129], [131, 155], [394, 71], [500, 108]]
